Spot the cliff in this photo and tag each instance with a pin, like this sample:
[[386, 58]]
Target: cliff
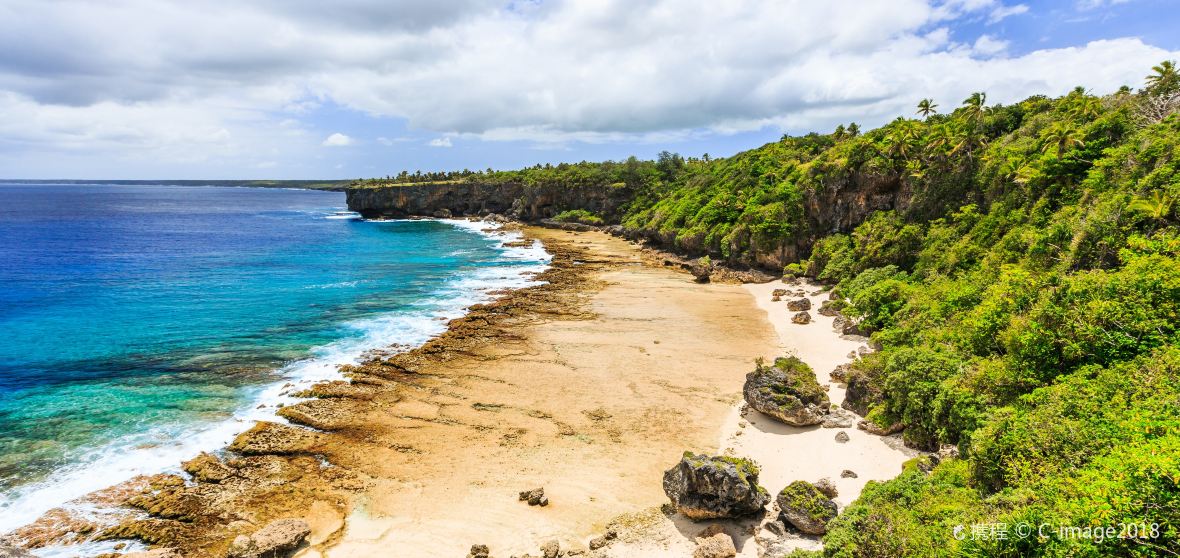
[[514, 199], [838, 205]]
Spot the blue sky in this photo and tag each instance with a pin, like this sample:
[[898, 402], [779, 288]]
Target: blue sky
[[357, 88]]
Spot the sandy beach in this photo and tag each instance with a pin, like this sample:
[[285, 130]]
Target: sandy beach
[[589, 386]]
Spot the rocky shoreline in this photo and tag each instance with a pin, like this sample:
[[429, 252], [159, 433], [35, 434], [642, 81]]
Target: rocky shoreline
[[344, 439]]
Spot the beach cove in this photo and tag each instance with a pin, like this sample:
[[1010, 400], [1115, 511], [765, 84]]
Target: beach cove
[[589, 385]]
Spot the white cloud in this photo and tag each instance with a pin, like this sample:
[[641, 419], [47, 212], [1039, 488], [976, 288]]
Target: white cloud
[[1094, 4], [987, 45], [440, 142], [182, 81], [1001, 12], [338, 140]]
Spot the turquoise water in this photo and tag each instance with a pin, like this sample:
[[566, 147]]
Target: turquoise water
[[140, 324]]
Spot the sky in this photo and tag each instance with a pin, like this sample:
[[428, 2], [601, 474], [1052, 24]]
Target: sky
[[305, 89]]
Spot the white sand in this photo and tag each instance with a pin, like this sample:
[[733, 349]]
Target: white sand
[[785, 453]]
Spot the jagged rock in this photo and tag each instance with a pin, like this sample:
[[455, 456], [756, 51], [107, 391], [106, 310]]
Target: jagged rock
[[713, 542], [710, 487], [840, 374], [787, 391], [828, 308], [839, 418], [847, 474], [270, 438], [535, 497], [603, 539], [13, 552], [278, 538], [878, 430], [443, 214], [801, 318], [778, 292], [799, 305], [478, 551], [207, 468], [862, 392], [805, 507], [550, 549], [775, 298], [847, 327], [842, 437], [825, 486]]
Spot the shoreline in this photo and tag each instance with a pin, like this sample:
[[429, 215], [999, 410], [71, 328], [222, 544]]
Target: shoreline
[[69, 505], [589, 383]]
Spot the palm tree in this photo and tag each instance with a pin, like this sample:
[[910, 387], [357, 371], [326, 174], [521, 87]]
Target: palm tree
[[926, 108], [853, 130], [1165, 78], [1085, 108], [976, 104], [1061, 136], [1158, 206]]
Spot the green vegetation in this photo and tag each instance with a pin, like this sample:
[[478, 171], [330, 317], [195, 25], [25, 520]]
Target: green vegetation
[[1024, 290], [578, 216], [802, 496]]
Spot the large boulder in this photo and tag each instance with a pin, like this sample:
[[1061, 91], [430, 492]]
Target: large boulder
[[803, 505], [711, 487], [799, 305], [278, 538], [787, 391]]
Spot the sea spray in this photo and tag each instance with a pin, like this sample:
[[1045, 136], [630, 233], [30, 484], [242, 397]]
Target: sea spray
[[162, 448]]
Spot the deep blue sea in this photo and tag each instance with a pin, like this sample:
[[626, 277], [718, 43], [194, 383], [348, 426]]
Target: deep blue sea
[[142, 324]]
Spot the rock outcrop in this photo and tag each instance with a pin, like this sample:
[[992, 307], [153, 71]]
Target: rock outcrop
[[712, 487], [805, 506], [799, 305], [515, 200], [787, 391], [277, 539]]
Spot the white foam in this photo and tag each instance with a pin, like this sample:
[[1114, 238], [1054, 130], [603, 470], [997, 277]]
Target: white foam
[[163, 449]]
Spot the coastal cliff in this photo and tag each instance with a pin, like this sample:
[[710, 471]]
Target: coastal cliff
[[837, 205], [526, 203]]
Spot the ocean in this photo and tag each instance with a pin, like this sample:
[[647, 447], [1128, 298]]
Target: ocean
[[142, 324]]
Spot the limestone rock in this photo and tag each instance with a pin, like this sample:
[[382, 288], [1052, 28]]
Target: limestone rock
[[779, 293], [839, 418], [840, 374], [799, 305], [207, 468], [278, 538], [805, 507], [847, 474], [829, 308], [801, 318], [876, 430], [478, 551], [787, 391], [842, 437], [550, 549], [825, 486], [713, 542], [535, 497], [710, 487], [270, 438], [603, 540]]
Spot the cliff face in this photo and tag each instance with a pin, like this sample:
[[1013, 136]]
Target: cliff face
[[527, 203], [838, 206]]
